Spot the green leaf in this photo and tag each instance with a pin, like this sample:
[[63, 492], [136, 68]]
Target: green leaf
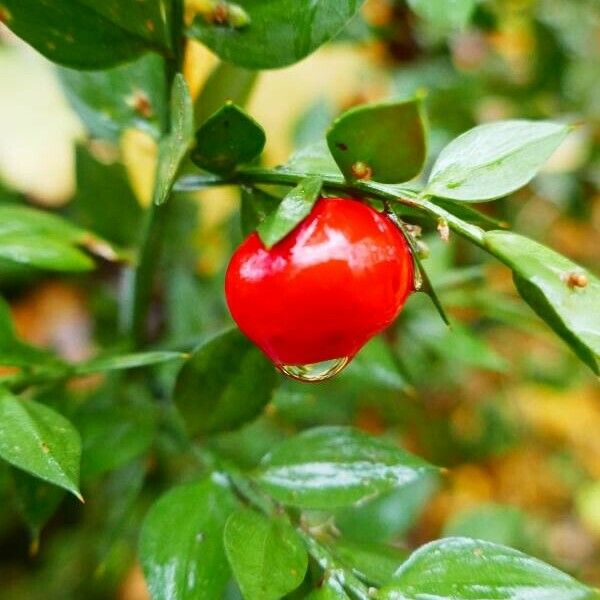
[[389, 515], [181, 542], [278, 32], [173, 149], [226, 83], [267, 556], [495, 159], [16, 219], [125, 361], [373, 563], [256, 206], [226, 383], [112, 100], [104, 201], [542, 278], [292, 210], [314, 159], [329, 467], [26, 222], [38, 440], [386, 140], [490, 522], [228, 138], [43, 252], [36, 501], [85, 34], [121, 413], [466, 569], [444, 16]]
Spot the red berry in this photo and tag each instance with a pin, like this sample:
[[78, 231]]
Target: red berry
[[321, 293]]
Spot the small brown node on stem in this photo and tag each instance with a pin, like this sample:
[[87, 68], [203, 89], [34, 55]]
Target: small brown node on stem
[[414, 230], [423, 251], [140, 102], [4, 15], [220, 14], [575, 279], [443, 229], [150, 25], [362, 171], [225, 14]]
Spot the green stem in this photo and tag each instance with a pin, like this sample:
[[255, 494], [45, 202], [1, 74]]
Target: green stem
[[354, 586], [142, 279], [19, 382], [405, 196]]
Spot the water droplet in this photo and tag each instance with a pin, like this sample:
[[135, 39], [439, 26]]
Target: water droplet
[[315, 372]]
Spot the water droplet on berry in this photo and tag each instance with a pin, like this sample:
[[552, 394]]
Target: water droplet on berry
[[316, 372]]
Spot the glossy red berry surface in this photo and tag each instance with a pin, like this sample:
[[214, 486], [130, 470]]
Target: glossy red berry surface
[[322, 292]]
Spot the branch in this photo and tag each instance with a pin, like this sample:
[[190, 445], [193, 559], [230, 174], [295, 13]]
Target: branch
[[391, 193]]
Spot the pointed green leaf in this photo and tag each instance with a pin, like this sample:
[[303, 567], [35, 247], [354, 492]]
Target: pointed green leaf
[[125, 361], [227, 382], [38, 440], [18, 219], [181, 543], [267, 556], [466, 569], [274, 33], [256, 205], [173, 149], [229, 138], [24, 221], [387, 140], [292, 210], [495, 159], [43, 252], [330, 467], [542, 277], [314, 159], [112, 100], [85, 34]]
